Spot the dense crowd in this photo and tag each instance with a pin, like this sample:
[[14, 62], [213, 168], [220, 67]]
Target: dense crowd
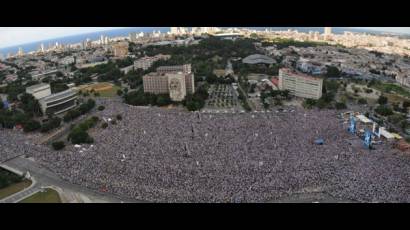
[[169, 155], [14, 143]]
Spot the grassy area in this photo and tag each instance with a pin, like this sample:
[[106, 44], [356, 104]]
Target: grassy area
[[11, 183], [48, 196], [14, 188], [110, 92], [105, 89], [392, 89]]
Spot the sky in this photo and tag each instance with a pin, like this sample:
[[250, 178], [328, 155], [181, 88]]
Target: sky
[[12, 36]]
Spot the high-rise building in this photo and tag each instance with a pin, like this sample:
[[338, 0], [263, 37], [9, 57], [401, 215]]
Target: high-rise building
[[174, 30], [102, 39], [186, 69], [300, 84], [120, 49], [42, 49], [1, 56], [133, 36], [20, 52], [328, 31], [168, 80]]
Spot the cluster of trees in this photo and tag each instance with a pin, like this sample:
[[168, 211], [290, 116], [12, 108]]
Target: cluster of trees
[[31, 125], [134, 78], [82, 109], [53, 123], [281, 43], [213, 79], [277, 95], [58, 145], [196, 101], [384, 110], [330, 89], [121, 63], [139, 98], [9, 119], [211, 53], [79, 134], [8, 178], [332, 72]]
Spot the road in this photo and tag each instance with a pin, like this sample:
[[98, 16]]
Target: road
[[46, 178]]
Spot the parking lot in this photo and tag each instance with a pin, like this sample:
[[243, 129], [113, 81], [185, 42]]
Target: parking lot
[[222, 97]]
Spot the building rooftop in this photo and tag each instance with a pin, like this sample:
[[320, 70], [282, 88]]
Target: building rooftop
[[41, 85], [258, 58], [298, 73], [60, 95]]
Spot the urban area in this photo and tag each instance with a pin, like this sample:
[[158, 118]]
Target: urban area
[[208, 114]]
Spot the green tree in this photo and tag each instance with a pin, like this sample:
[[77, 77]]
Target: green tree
[[383, 110], [31, 125], [382, 100], [58, 145], [332, 72]]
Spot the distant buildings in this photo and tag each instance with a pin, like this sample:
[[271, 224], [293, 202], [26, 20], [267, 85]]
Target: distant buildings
[[299, 84], [403, 79], [178, 30], [175, 80], [120, 49], [53, 103], [328, 31]]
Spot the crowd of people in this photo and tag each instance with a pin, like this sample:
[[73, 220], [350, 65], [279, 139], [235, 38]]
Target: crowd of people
[[170, 155]]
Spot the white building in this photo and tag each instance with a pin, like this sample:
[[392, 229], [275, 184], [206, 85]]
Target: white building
[[299, 84], [53, 103], [39, 91], [146, 62]]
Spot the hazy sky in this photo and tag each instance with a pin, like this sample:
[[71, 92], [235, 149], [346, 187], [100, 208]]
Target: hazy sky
[[11, 36]]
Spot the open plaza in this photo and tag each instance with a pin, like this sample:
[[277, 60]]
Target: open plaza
[[161, 155]]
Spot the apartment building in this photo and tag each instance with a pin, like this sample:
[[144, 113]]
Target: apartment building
[[300, 84]]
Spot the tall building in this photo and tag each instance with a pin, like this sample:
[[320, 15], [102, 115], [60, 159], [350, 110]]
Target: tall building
[[133, 36], [299, 84], [168, 80], [178, 30], [1, 57], [173, 30], [120, 49], [186, 69], [328, 31], [20, 52], [42, 49]]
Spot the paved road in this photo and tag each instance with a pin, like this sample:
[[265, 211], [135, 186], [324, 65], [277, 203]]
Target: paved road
[[45, 177]]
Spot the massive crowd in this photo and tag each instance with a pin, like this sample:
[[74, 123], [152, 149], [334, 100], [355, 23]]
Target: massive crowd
[[162, 155]]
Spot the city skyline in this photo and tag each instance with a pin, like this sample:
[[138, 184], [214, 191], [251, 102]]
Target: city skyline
[[14, 36]]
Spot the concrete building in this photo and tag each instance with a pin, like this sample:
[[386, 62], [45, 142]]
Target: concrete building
[[59, 102], [120, 49], [39, 91], [185, 69], [328, 31], [258, 59], [53, 103], [146, 62], [299, 84], [170, 80]]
